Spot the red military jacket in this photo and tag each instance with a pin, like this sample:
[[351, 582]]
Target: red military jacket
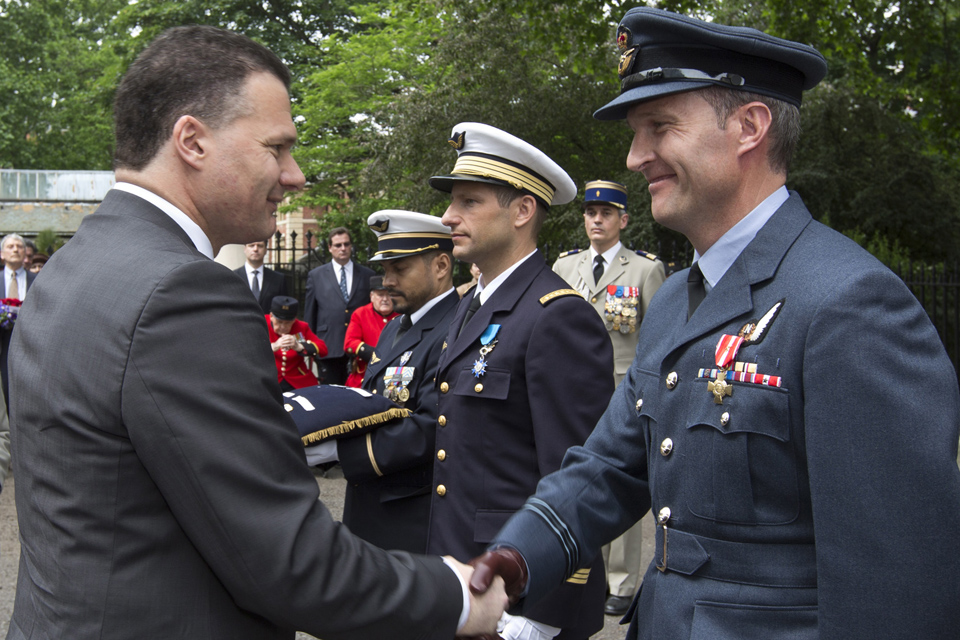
[[365, 327], [291, 365]]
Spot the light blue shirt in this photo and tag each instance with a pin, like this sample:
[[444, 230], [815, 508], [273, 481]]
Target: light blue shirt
[[720, 257]]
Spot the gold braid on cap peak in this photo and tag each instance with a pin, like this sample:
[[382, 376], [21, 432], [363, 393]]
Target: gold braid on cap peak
[[517, 176]]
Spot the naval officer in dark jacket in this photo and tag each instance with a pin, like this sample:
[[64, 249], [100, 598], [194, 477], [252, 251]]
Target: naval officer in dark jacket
[[526, 371], [791, 415], [389, 470]]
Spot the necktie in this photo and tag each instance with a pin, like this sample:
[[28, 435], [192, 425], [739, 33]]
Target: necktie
[[696, 291], [472, 309], [343, 284], [597, 268], [256, 284], [13, 291], [405, 324]]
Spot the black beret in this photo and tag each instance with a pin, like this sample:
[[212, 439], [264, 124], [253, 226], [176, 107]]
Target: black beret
[[665, 53]]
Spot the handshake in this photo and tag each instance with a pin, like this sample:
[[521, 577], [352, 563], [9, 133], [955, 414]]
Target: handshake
[[503, 569]]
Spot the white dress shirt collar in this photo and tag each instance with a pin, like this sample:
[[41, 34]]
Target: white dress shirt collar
[[608, 255], [485, 291], [191, 228], [422, 311]]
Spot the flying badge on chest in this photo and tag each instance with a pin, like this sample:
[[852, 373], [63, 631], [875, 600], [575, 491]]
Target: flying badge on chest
[[488, 340], [405, 358], [728, 370]]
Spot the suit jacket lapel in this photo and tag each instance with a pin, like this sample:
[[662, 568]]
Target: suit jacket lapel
[[123, 203], [384, 349], [503, 299], [585, 271], [733, 295]]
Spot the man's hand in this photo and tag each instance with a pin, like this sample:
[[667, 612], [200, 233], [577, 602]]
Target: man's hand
[[485, 608], [287, 341], [505, 563]]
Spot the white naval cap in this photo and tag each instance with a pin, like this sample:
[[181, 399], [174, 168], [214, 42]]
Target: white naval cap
[[487, 154], [406, 233]]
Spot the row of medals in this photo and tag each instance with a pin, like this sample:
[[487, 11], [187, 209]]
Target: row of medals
[[621, 313]]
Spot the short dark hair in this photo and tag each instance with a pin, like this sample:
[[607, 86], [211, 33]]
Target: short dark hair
[[784, 128], [339, 231], [506, 195], [195, 70]]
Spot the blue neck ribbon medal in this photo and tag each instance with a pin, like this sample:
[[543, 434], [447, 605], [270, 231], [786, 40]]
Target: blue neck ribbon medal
[[488, 341]]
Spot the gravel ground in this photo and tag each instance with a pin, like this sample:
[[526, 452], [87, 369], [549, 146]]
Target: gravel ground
[[331, 492]]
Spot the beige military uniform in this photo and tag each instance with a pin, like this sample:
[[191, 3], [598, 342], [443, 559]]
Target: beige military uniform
[[640, 270], [646, 273]]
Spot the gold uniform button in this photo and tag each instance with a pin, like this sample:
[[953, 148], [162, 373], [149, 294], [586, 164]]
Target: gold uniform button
[[593, 299], [442, 421], [441, 455], [672, 379], [441, 490], [639, 403], [478, 388], [666, 447], [725, 418], [662, 517], [444, 387]]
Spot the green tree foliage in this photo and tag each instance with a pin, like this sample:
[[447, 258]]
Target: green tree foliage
[[375, 122], [56, 83], [380, 83]]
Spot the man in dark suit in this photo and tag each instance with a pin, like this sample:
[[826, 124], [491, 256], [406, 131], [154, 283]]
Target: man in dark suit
[[524, 377], [264, 283], [16, 281], [161, 484], [389, 470], [789, 399], [334, 291]]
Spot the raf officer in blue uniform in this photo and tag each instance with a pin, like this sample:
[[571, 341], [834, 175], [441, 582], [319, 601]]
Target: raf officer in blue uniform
[[791, 415], [526, 370], [389, 470]]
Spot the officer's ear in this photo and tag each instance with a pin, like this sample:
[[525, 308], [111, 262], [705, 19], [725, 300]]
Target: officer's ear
[[525, 211], [753, 121], [443, 264]]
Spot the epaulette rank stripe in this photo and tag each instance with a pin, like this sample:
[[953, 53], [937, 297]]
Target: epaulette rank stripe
[[569, 253], [649, 256], [580, 577], [559, 293]]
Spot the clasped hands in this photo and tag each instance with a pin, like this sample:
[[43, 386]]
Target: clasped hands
[[287, 341], [499, 571]]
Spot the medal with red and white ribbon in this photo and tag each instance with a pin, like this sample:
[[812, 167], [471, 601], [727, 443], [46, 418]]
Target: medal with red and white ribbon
[[727, 349]]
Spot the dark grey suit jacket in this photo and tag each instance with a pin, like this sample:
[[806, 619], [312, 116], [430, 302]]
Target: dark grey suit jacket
[[274, 284], [162, 490], [324, 309]]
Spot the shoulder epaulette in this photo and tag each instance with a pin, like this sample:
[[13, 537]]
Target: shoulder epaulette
[[569, 253], [559, 293], [648, 256]]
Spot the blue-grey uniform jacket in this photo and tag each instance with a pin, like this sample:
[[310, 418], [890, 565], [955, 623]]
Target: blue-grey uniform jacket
[[827, 507]]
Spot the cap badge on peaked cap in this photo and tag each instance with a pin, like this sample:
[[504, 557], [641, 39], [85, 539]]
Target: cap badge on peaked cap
[[380, 225], [456, 140]]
